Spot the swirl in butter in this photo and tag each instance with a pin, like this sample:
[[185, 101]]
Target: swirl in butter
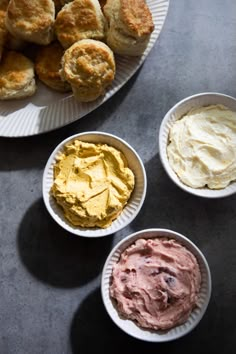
[[92, 183], [202, 147]]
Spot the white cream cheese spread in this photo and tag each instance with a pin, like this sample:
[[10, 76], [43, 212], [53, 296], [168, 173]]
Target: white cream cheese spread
[[202, 147]]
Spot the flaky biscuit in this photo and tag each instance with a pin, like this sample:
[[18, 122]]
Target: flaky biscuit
[[79, 19], [48, 65], [31, 20], [89, 66], [129, 26], [16, 76]]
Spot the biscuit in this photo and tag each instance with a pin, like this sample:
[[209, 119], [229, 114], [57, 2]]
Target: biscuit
[[130, 25], [48, 65], [16, 76], [31, 20], [89, 66], [79, 19]]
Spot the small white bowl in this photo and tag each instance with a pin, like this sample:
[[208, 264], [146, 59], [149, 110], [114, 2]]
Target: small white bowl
[[129, 326], [175, 113], [134, 203]]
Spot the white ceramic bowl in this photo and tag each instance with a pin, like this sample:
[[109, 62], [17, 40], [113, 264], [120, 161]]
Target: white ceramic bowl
[[175, 113], [134, 204], [129, 326]]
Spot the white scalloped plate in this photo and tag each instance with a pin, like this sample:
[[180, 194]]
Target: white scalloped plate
[[48, 110], [129, 326], [175, 113], [134, 204]]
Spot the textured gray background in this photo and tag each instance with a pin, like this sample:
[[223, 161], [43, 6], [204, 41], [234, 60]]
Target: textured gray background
[[50, 300]]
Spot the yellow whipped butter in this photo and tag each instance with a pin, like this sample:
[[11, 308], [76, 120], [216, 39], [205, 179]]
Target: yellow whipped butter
[[92, 183], [202, 147]]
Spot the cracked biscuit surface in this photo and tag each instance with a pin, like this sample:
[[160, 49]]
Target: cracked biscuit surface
[[31, 20], [130, 25], [89, 66], [80, 19]]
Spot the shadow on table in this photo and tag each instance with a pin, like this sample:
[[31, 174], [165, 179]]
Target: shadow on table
[[168, 206], [55, 256], [93, 331]]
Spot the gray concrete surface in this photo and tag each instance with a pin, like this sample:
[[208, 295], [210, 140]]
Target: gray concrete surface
[[50, 300]]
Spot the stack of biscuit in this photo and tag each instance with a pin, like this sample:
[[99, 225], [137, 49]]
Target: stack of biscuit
[[75, 42]]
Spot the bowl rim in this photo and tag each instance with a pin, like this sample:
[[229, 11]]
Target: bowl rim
[[156, 233], [215, 194], [79, 231]]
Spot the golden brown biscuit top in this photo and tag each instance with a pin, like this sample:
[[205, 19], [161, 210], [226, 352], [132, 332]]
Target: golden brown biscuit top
[[79, 14], [88, 63], [136, 16], [14, 70], [48, 61], [75, 19], [30, 14]]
